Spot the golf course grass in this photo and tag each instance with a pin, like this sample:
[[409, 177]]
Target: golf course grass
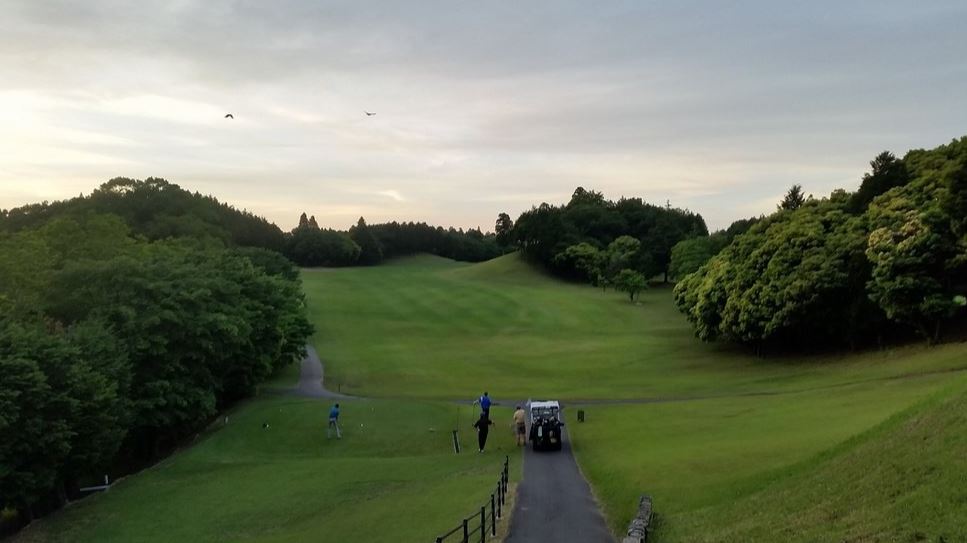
[[699, 460], [427, 327], [288, 482], [854, 447]]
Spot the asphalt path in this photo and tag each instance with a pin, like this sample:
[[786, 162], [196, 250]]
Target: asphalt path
[[554, 502], [311, 378]]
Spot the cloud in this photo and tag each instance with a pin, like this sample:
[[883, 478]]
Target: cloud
[[481, 108]]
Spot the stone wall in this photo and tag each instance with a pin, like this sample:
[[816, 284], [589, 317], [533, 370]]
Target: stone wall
[[640, 525]]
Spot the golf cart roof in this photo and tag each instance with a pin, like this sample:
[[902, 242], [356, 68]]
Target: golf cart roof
[[554, 404]]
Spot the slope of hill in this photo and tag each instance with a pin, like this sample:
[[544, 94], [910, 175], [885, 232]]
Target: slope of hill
[[511, 268], [904, 480]]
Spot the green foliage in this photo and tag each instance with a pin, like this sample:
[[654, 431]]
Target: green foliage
[[410, 238], [545, 232], [310, 246], [370, 251], [503, 229], [585, 258], [824, 272], [886, 172], [155, 209], [915, 255], [690, 254], [622, 253], [108, 340], [631, 282], [793, 200]]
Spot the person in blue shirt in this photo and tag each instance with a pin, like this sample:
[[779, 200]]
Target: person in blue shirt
[[334, 423], [484, 402]]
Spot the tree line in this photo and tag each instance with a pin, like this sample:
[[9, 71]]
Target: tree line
[[621, 243], [124, 332], [847, 269], [156, 209], [363, 244]]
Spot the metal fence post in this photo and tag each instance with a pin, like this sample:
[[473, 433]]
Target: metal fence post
[[500, 509], [493, 515], [483, 524]]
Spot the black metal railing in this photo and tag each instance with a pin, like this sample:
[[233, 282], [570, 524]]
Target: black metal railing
[[476, 526]]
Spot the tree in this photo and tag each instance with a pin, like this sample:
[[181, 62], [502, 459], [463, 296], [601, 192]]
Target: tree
[[503, 228], [303, 221], [583, 257], [580, 197], [370, 251], [621, 254], [631, 282], [689, 255], [312, 247], [914, 256], [34, 433], [886, 172], [793, 200], [790, 280]]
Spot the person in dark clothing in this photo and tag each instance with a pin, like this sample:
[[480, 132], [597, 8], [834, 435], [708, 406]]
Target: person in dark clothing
[[482, 425]]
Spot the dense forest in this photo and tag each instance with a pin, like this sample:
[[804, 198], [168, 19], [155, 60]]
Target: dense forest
[[156, 209], [128, 319], [309, 245], [621, 243], [843, 270]]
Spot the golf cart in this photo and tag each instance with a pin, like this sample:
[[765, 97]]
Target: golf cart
[[546, 425]]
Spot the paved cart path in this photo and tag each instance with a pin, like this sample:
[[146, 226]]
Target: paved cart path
[[554, 502], [311, 378]]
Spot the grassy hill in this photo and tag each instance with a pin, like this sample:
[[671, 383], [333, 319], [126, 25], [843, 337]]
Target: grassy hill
[[865, 447], [903, 480]]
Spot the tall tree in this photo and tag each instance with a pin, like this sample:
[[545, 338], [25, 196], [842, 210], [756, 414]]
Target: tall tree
[[794, 199], [503, 228], [886, 172], [370, 251]]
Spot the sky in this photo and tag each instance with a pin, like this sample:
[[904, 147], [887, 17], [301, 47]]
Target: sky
[[480, 107]]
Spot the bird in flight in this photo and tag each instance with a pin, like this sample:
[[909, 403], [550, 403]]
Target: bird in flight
[[229, 116], [368, 114]]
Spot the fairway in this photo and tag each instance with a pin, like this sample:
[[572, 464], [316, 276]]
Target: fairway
[[427, 327]]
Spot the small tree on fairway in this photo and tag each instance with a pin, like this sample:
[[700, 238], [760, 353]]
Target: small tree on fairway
[[631, 282]]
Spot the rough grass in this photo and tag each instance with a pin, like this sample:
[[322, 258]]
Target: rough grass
[[289, 483], [903, 480], [698, 458]]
